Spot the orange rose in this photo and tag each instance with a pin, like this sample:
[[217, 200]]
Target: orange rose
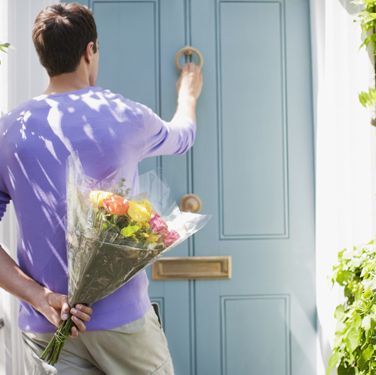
[[116, 205]]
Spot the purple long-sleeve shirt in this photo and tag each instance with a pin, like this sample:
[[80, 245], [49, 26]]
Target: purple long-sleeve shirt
[[109, 133]]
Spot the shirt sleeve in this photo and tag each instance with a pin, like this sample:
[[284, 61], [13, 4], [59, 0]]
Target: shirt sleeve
[[4, 200], [159, 137]]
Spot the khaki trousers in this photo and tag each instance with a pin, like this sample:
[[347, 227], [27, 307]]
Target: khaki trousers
[[137, 348]]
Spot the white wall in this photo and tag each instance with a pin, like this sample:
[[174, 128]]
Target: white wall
[[3, 101], [21, 77], [345, 151]]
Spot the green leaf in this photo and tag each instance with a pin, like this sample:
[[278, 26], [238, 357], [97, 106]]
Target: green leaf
[[367, 353], [4, 46], [333, 361], [367, 98], [356, 320], [342, 370], [352, 339], [129, 230], [343, 276], [339, 312]]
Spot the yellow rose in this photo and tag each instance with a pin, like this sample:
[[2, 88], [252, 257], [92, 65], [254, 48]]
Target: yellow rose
[[98, 196], [147, 204], [138, 212]]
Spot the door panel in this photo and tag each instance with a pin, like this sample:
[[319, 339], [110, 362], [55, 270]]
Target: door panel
[[253, 169], [251, 165], [262, 342], [250, 110]]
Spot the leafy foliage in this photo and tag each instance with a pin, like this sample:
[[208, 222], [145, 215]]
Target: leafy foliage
[[367, 19], [3, 48], [354, 351], [368, 98]]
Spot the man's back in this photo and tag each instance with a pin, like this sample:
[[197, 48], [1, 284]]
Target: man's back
[[111, 135]]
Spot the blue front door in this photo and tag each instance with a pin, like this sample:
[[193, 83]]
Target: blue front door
[[251, 165]]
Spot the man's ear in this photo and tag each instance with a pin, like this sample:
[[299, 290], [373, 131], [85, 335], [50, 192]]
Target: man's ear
[[89, 52]]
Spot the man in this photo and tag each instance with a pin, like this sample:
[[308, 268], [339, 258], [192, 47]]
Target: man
[[108, 132]]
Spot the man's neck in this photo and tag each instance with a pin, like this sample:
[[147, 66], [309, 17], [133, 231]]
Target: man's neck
[[66, 82]]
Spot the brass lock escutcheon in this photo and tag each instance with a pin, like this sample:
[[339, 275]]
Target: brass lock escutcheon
[[190, 203]]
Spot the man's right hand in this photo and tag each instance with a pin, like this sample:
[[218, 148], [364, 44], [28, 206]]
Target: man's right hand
[[189, 83], [54, 306]]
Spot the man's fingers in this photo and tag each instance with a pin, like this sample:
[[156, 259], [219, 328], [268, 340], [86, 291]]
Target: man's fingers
[[80, 314], [79, 324], [191, 67], [59, 302], [65, 311], [74, 332], [57, 309], [84, 308], [83, 312], [188, 67]]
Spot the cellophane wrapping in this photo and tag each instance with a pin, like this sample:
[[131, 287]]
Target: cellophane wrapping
[[112, 234]]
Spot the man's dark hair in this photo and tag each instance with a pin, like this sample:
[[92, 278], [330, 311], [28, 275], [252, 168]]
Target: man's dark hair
[[61, 33]]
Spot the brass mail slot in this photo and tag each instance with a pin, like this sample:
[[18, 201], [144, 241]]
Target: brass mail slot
[[177, 268]]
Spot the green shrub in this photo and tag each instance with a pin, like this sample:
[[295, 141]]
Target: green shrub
[[354, 350]]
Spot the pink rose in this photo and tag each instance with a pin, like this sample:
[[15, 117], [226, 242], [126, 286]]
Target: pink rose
[[158, 225], [170, 238]]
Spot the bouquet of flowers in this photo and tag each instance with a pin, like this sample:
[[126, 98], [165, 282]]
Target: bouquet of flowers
[[111, 235]]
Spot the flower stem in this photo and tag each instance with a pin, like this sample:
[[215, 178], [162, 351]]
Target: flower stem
[[52, 351]]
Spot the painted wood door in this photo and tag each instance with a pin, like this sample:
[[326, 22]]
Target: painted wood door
[[252, 166]]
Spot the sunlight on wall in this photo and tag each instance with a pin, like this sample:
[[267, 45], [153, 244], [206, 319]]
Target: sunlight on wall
[[345, 151]]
